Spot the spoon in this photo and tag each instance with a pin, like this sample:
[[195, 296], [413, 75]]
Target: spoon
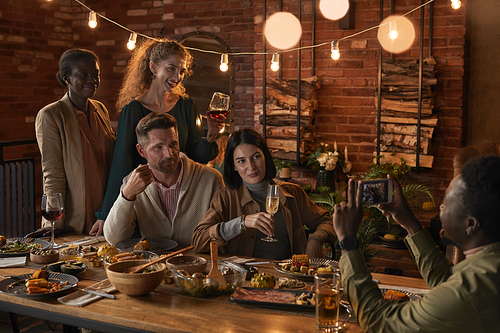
[[217, 279], [136, 269]]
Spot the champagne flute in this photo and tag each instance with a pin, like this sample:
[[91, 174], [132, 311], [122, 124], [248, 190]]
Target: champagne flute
[[272, 205], [219, 106], [52, 210]]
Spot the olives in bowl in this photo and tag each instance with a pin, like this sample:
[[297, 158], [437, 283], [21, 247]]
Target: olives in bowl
[[73, 268]]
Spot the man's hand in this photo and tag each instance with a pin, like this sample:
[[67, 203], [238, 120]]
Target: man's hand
[[263, 222], [97, 228], [400, 210], [314, 249], [140, 178], [347, 216]]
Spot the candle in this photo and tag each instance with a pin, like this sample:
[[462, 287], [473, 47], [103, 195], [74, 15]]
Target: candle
[[345, 153], [335, 146]]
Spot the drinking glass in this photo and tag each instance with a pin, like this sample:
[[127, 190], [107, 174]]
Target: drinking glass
[[327, 289], [219, 105], [272, 205], [52, 210]]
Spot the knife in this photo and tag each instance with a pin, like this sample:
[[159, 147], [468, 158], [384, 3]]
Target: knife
[[98, 293]]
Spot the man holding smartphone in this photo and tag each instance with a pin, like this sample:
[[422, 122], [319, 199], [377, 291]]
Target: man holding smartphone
[[464, 297]]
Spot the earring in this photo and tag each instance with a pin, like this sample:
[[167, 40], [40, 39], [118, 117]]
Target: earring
[[153, 76], [468, 232]]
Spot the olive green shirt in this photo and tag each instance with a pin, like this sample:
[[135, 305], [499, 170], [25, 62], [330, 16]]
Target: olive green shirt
[[463, 298]]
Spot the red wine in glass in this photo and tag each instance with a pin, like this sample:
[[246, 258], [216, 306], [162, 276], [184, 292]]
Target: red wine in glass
[[52, 214], [52, 210], [218, 113]]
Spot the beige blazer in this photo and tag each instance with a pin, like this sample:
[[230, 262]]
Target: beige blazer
[[58, 137]]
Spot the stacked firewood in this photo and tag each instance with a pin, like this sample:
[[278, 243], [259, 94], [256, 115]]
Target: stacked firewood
[[399, 107], [281, 117]]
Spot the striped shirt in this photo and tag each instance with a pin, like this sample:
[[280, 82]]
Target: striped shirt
[[169, 195]]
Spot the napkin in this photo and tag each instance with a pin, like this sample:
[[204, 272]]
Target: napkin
[[405, 289], [238, 260], [89, 240], [81, 298], [13, 262]]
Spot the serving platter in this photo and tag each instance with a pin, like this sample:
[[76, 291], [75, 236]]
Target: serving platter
[[291, 306], [44, 245], [15, 285], [157, 244], [314, 262]]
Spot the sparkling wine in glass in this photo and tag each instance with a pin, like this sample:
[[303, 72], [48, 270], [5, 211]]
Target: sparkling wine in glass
[[219, 105], [52, 210], [272, 205]]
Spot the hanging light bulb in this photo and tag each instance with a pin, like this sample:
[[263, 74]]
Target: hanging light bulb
[[335, 50], [275, 62], [224, 63], [455, 4], [131, 41], [92, 19], [393, 30]]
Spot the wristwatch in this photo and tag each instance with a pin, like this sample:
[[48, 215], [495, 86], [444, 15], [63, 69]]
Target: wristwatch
[[349, 243]]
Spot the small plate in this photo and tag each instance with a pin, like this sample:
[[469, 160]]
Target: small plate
[[312, 262], [45, 245], [157, 244], [15, 285], [83, 266]]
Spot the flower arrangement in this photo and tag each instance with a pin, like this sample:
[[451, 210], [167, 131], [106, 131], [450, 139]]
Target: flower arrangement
[[326, 159]]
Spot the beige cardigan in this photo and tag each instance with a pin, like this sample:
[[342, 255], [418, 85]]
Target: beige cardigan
[[58, 137]]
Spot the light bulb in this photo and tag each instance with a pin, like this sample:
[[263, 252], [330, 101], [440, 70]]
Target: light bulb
[[335, 51], [456, 4], [92, 19], [393, 30], [224, 63], [275, 62], [131, 41]]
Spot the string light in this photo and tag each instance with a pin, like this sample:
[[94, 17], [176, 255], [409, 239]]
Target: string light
[[275, 62], [92, 19], [224, 62], [335, 50], [456, 4], [393, 30], [131, 41]]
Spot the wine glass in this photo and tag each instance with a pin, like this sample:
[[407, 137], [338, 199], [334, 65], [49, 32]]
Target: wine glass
[[219, 106], [52, 210], [272, 205]]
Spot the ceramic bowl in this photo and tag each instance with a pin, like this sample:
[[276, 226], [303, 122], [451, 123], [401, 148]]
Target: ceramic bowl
[[138, 283], [251, 271], [71, 254], [133, 255], [72, 269], [44, 256], [184, 260]]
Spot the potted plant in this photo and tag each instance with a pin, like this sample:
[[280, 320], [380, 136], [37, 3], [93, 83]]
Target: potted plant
[[284, 169]]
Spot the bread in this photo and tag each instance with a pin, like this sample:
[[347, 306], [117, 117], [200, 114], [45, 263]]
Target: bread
[[3, 240], [142, 245], [393, 295], [107, 250]]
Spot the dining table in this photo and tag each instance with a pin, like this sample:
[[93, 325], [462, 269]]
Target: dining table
[[168, 309]]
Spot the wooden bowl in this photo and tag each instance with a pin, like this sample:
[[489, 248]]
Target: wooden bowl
[[135, 284], [44, 258]]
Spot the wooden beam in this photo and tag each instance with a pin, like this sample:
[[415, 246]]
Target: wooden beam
[[430, 121]]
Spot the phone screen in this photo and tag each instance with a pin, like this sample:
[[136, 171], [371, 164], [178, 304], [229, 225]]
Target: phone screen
[[377, 191]]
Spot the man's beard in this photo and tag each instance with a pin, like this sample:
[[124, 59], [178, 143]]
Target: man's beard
[[167, 168]]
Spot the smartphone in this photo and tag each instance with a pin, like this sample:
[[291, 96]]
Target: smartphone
[[377, 191]]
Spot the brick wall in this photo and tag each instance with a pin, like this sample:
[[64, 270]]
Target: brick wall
[[34, 33]]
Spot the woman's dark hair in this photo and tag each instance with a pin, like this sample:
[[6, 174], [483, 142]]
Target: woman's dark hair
[[250, 137], [482, 192], [69, 59]]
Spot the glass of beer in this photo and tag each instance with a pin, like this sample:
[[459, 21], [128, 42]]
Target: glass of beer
[[327, 289]]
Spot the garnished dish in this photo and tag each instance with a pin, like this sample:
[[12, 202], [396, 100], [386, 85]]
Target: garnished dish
[[287, 283], [269, 297], [301, 267], [19, 246], [156, 244], [39, 284], [126, 256]]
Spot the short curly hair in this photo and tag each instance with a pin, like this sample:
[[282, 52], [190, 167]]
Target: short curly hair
[[249, 136], [69, 59], [481, 194]]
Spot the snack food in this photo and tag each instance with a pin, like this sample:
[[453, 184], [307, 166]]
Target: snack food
[[263, 280], [287, 283], [39, 284], [107, 250], [142, 245], [3, 240], [301, 265], [393, 295]]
